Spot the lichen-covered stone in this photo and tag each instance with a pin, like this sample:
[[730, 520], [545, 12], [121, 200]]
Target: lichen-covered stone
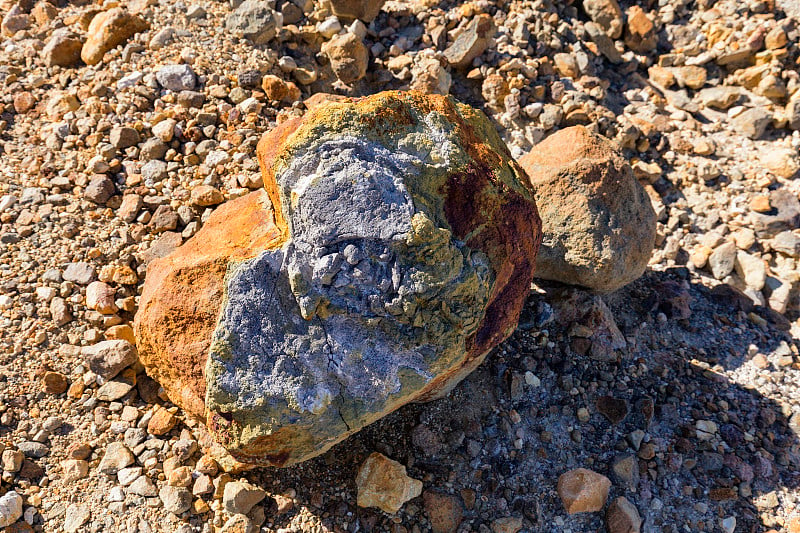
[[405, 244], [599, 224]]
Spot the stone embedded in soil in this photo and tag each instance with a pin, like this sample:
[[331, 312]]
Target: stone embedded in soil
[[622, 517], [100, 297], [383, 483], [109, 358], [239, 523], [444, 511], [583, 491], [74, 469], [348, 56], [508, 524], [599, 224], [12, 460], [722, 260], [117, 456], [783, 162], [365, 10], [10, 508], [176, 78], [607, 15], [54, 382], [176, 500], [254, 20], [107, 30], [161, 422], [206, 195], [239, 497], [614, 409], [399, 250], [63, 49], [721, 97], [784, 215], [472, 42], [640, 34], [75, 517], [100, 189], [81, 273], [752, 122]]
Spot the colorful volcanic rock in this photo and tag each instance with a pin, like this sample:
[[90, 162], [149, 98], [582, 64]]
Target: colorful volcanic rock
[[395, 251]]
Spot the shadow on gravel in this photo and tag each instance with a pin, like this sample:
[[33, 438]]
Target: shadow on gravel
[[692, 443]]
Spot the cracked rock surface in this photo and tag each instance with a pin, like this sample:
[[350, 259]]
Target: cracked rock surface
[[408, 244]]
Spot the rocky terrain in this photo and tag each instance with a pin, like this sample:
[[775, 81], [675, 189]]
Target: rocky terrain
[[124, 124]]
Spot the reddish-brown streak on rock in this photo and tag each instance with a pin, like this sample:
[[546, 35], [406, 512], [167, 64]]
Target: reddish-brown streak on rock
[[466, 208]]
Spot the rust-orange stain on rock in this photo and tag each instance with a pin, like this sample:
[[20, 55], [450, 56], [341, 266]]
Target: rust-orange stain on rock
[[180, 302]]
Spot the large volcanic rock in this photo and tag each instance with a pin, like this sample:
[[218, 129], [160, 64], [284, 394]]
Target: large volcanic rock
[[599, 224], [397, 252]]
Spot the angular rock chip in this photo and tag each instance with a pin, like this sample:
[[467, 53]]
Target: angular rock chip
[[109, 358], [622, 517], [583, 491], [348, 56], [254, 20], [471, 42], [383, 483], [600, 227]]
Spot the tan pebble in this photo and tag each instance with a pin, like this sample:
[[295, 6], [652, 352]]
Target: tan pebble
[[760, 204], [54, 382], [161, 422], [383, 483], [583, 491], [180, 477]]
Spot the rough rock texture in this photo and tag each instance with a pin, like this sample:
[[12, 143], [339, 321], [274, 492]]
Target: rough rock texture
[[383, 483], [254, 20], [63, 48], [475, 38], [181, 300], [348, 57], [11, 508], [599, 224], [606, 14], [365, 10], [107, 30], [401, 252], [622, 517], [583, 491]]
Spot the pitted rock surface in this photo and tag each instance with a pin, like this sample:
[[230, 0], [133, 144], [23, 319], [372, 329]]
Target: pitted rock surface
[[408, 243], [599, 224]]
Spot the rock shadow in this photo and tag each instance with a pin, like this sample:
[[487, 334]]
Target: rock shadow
[[692, 441]]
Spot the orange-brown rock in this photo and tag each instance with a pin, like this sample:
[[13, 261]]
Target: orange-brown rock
[[622, 517], [640, 34], [107, 30], [365, 10], [180, 302], [583, 491], [280, 90], [599, 224]]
